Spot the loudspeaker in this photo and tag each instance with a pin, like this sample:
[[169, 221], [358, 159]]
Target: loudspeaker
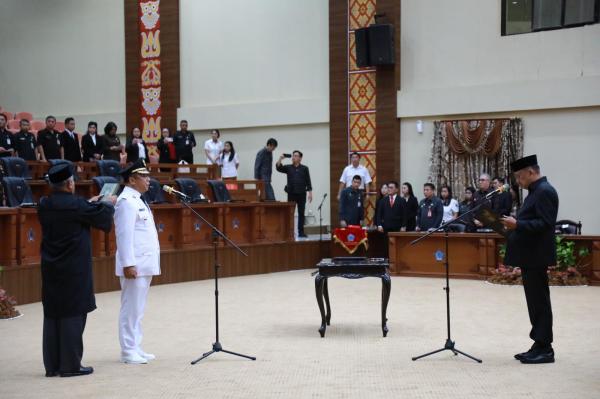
[[381, 44], [361, 45]]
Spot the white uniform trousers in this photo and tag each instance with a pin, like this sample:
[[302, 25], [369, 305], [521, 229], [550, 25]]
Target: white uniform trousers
[[133, 302]]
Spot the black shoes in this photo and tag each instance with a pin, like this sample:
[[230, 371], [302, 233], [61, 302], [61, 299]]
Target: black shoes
[[539, 356], [536, 355], [51, 373], [302, 235], [82, 371]]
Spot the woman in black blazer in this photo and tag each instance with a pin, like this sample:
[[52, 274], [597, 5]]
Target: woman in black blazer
[[411, 206], [383, 191], [136, 146], [92, 151]]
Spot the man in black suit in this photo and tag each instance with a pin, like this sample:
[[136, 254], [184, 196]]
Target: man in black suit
[[531, 245], [91, 144], [70, 142], [67, 285], [263, 167], [391, 215], [501, 203]]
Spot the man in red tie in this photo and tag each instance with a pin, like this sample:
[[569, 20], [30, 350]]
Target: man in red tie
[[391, 214]]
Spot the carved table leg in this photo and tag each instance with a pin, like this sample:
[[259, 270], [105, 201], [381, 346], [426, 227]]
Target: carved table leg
[[319, 281], [326, 295], [386, 288]]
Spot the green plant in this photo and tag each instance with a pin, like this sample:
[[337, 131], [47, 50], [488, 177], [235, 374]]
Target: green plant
[[567, 256]]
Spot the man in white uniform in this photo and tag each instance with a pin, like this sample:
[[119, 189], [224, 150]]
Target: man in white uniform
[[137, 259], [354, 169]]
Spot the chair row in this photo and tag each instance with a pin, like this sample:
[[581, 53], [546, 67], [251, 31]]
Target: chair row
[[19, 192], [37, 170]]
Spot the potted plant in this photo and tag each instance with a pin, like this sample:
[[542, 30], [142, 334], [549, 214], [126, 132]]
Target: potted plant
[[7, 305], [570, 262]]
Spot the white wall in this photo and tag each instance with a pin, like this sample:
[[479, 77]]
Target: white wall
[[254, 63], [64, 57], [311, 140], [456, 64], [455, 61]]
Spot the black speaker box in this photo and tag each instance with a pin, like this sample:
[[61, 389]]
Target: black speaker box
[[361, 44], [381, 44]]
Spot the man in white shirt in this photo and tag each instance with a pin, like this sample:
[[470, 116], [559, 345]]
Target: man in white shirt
[[355, 168], [137, 259], [213, 147]]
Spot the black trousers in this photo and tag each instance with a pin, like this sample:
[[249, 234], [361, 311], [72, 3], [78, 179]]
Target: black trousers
[[189, 158], [300, 200], [537, 293], [63, 343], [269, 193]]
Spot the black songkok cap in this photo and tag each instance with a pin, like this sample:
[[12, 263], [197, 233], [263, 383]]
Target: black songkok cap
[[59, 173], [523, 163], [138, 166]]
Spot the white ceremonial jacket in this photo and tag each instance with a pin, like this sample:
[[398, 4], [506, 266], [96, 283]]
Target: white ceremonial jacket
[[137, 238]]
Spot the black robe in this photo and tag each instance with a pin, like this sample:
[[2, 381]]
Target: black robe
[[67, 283], [532, 243]]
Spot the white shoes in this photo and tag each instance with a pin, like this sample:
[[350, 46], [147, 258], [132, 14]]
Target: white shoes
[[134, 359], [147, 356]]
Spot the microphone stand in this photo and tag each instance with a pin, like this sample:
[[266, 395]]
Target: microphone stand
[[449, 344], [321, 221], [216, 233]]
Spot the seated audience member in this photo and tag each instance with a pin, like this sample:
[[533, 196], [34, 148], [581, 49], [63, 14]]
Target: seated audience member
[[112, 144], [411, 206], [6, 139], [464, 207], [431, 210], [450, 204], [263, 167], [25, 143], [229, 162], [383, 191], [351, 204], [392, 215], [213, 147], [92, 145], [136, 147], [355, 168], [166, 148], [49, 141], [69, 141], [479, 196], [185, 142], [501, 203]]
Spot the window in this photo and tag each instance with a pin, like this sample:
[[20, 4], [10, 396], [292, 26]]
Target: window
[[523, 16]]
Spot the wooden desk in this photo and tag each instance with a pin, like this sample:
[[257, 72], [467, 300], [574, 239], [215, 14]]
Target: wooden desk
[[195, 233], [8, 236], [276, 221], [352, 268], [472, 255], [29, 236], [167, 218], [240, 222]]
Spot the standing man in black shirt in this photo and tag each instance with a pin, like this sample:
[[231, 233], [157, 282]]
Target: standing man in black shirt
[[49, 141], [298, 185], [70, 142], [25, 143], [184, 143], [263, 167], [531, 246], [501, 203], [431, 209], [6, 139], [351, 204]]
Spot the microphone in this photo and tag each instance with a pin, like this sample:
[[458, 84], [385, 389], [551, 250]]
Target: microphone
[[324, 195], [502, 189], [178, 194], [322, 201]]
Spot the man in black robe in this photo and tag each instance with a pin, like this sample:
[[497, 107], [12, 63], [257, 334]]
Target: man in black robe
[[67, 285], [531, 245]]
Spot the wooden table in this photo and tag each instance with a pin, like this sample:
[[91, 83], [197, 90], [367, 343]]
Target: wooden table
[[352, 268]]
